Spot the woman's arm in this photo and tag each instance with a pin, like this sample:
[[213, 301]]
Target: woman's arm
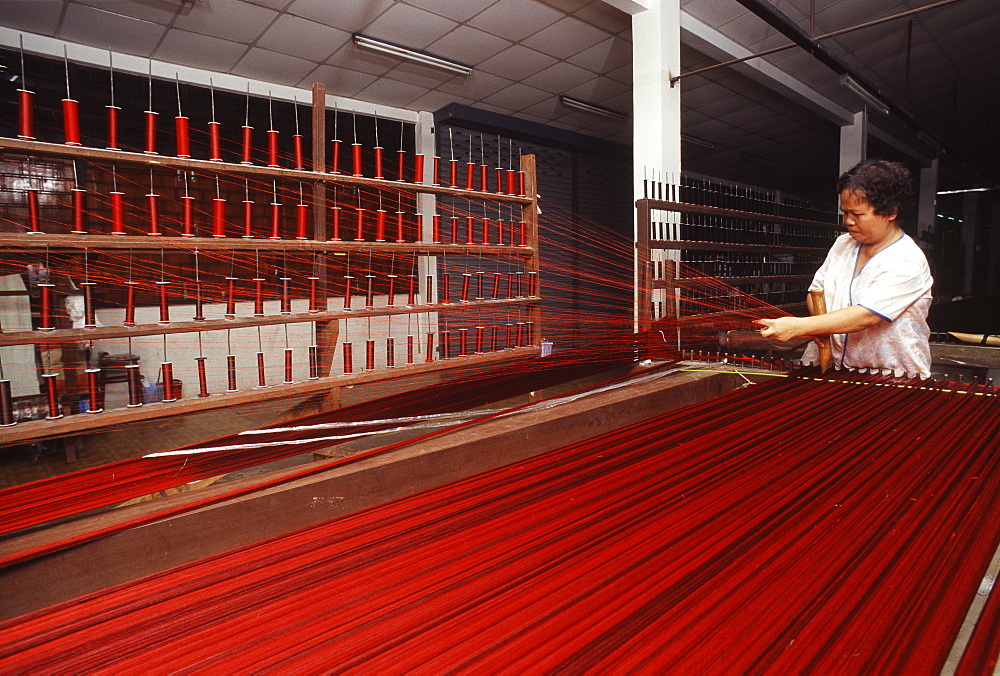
[[846, 320]]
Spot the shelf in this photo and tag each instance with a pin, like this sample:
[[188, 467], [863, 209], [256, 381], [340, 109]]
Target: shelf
[[681, 207], [700, 282], [690, 245]]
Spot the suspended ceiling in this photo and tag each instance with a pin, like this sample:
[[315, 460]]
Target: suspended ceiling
[[526, 53]]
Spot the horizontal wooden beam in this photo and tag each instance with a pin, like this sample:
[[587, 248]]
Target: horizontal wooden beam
[[34, 430], [701, 282], [208, 167], [684, 208], [689, 245]]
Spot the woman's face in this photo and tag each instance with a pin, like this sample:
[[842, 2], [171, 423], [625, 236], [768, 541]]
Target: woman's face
[[863, 224]]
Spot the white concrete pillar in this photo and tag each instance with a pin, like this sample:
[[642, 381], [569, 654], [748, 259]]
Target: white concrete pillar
[[854, 141], [656, 106]]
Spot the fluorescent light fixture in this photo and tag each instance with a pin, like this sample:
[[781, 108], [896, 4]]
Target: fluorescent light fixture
[[413, 55], [591, 108], [695, 141], [865, 95], [956, 192]]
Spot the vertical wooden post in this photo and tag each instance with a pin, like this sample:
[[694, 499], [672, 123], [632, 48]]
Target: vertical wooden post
[[529, 214], [328, 331]]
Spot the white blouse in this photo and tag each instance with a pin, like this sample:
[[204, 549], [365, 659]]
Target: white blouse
[[895, 284]]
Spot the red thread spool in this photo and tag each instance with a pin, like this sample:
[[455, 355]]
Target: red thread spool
[[522, 230], [430, 347], [446, 344], [436, 177], [247, 145], [466, 278], [494, 337], [286, 296], [484, 178], [26, 102], [313, 362], [164, 308], [479, 284], [297, 148], [272, 148], [275, 220], [89, 317], [418, 168], [258, 296], [529, 334], [314, 294], [187, 216], [168, 382], [52, 395], [470, 229], [520, 334], [359, 234], [463, 340], [520, 284], [356, 156], [454, 229], [335, 223], [380, 225], [301, 221], [199, 308], [261, 378], [511, 181], [135, 395], [369, 355], [499, 171], [510, 329], [496, 285], [399, 226], [411, 294], [486, 230], [409, 349], [154, 214], [391, 298], [401, 156], [348, 358], [335, 156], [452, 173], [130, 303], [33, 212], [370, 291], [6, 405], [288, 367], [247, 219], [532, 284], [500, 226], [420, 226], [445, 298], [117, 213], [520, 183], [348, 281], [202, 377], [215, 141], [218, 217], [436, 220], [79, 197], [151, 132], [231, 373], [230, 298], [71, 121], [390, 352], [183, 136], [378, 163], [510, 285], [470, 173], [94, 391]]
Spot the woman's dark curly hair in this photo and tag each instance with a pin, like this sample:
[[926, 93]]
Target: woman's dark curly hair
[[887, 186]]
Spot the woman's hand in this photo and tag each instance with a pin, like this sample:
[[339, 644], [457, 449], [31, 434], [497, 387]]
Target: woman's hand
[[781, 329]]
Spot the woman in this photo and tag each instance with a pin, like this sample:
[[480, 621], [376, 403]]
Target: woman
[[876, 281]]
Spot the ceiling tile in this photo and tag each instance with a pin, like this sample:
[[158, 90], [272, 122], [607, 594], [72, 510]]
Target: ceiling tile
[[218, 18], [468, 45], [604, 16], [517, 97], [559, 77], [597, 89], [160, 12], [279, 5], [457, 11], [339, 81], [423, 76], [30, 15], [352, 17], [713, 12], [623, 75], [605, 56], [391, 93], [285, 36], [517, 63], [201, 51], [98, 28], [263, 64], [566, 37], [435, 100], [515, 19], [409, 26], [354, 58], [477, 86]]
